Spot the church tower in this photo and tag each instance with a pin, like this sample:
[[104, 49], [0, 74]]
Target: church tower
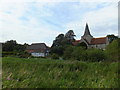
[[87, 36]]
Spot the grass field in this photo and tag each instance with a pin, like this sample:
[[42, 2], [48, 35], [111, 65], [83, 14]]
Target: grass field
[[47, 73]]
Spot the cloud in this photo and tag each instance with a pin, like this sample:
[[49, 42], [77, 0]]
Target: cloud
[[59, 1], [102, 20], [20, 23], [31, 22]]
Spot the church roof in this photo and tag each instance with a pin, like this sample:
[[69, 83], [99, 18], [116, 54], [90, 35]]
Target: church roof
[[101, 40], [94, 41], [88, 38]]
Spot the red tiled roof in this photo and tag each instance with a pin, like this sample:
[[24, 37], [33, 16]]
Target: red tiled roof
[[101, 40], [76, 42]]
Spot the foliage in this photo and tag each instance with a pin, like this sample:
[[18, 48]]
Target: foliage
[[9, 45], [8, 53], [60, 42], [95, 55], [12, 45], [112, 50], [16, 54], [82, 54], [70, 36], [79, 53], [111, 37], [13, 48], [57, 50], [48, 73], [54, 56], [68, 52]]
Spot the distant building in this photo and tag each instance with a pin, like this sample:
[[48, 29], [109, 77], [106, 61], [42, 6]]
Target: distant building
[[38, 49], [90, 42]]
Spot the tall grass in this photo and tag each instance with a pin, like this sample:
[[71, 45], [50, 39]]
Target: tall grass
[[47, 73]]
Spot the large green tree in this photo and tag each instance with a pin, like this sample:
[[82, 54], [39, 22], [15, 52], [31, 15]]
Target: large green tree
[[113, 49], [61, 42], [12, 45], [9, 45], [70, 36], [58, 40], [13, 48]]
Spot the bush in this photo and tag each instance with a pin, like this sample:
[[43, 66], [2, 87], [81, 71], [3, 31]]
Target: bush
[[9, 54], [95, 55], [75, 53], [54, 56], [79, 53], [68, 52], [112, 50], [18, 54], [23, 54]]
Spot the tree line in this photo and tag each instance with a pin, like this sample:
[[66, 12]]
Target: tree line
[[12, 48], [62, 48]]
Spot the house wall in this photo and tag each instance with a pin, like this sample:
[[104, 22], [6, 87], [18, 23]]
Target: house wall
[[38, 54], [99, 46]]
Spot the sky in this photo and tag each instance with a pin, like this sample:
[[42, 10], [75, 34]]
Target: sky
[[38, 21]]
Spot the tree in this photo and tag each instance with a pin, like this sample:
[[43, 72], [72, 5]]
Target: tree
[[57, 50], [58, 40], [13, 48], [111, 37], [112, 50], [95, 55], [70, 36], [68, 52], [75, 53], [61, 41], [57, 46], [9, 45], [79, 53]]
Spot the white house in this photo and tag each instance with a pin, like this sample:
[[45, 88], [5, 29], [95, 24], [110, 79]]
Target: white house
[[38, 49]]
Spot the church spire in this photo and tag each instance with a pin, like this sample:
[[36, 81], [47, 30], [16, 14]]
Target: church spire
[[87, 32], [87, 36]]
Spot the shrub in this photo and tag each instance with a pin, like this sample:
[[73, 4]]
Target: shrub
[[79, 53], [9, 54], [68, 52], [54, 56], [18, 54], [95, 55], [112, 50], [23, 54]]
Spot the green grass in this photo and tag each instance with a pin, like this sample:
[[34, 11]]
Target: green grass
[[47, 73]]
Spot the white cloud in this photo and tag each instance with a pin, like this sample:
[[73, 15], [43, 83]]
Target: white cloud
[[29, 33], [24, 32], [34, 30], [59, 0], [104, 18]]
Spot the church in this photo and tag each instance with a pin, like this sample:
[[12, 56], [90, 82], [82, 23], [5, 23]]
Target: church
[[90, 42]]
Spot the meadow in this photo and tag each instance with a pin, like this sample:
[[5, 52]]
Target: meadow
[[48, 73]]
